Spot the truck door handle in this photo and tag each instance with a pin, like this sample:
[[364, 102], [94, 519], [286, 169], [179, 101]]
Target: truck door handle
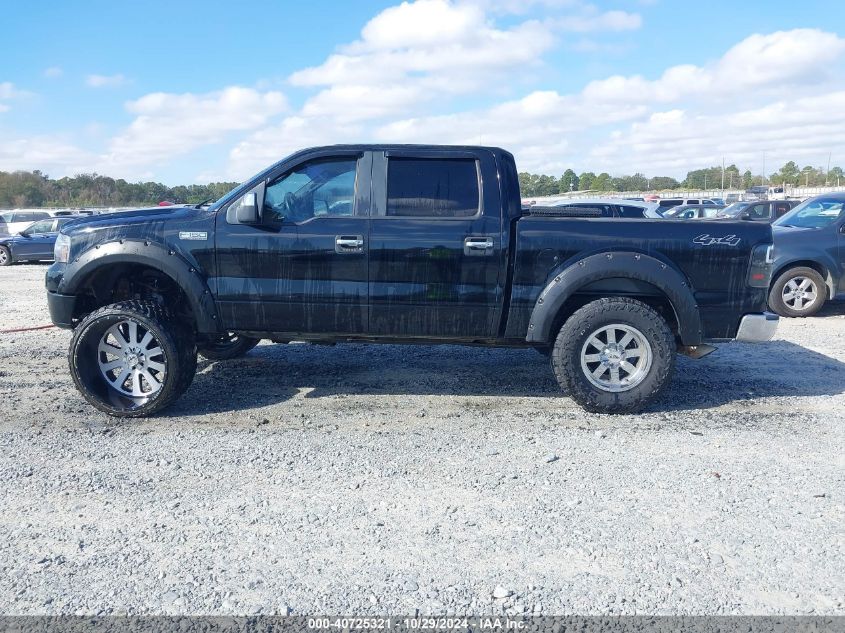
[[349, 243], [478, 245]]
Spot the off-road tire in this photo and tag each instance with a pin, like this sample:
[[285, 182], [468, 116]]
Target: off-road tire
[[175, 339], [776, 300], [573, 335], [222, 349]]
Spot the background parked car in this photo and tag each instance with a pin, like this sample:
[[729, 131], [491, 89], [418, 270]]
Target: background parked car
[[761, 211], [809, 266], [614, 207], [34, 243], [693, 212], [668, 203], [13, 222], [764, 192]]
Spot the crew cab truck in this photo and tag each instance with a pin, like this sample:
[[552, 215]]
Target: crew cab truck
[[400, 244]]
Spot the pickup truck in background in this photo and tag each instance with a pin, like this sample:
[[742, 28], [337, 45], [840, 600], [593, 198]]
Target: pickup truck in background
[[400, 244]]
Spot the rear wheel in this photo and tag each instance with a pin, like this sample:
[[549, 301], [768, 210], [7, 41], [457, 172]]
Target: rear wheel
[[5, 256], [131, 359], [614, 355], [228, 346], [799, 292]]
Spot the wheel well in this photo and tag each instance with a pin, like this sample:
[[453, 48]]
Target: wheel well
[[123, 282], [806, 263], [643, 291]]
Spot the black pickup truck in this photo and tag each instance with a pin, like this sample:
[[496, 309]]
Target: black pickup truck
[[400, 244]]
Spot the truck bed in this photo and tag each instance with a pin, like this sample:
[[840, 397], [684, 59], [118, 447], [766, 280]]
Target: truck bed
[[702, 251]]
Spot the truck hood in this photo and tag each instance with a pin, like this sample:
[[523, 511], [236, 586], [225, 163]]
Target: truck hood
[[119, 219]]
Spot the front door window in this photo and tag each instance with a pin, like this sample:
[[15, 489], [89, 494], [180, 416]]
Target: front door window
[[314, 189]]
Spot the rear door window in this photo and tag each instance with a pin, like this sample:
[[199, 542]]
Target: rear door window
[[781, 208], [627, 211], [433, 187]]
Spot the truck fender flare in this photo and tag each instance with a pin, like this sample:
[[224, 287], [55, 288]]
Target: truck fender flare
[[168, 261], [625, 264]]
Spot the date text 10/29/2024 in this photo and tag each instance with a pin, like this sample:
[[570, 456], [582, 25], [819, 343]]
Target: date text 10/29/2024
[[418, 623]]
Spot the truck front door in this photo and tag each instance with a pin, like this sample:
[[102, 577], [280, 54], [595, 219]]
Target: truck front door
[[436, 253], [303, 267]]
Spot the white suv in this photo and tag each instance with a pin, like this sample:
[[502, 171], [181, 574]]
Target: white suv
[[668, 203], [13, 222]]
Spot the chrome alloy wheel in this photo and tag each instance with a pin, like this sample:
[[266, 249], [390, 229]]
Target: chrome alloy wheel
[[799, 293], [131, 360], [4, 256], [616, 357]]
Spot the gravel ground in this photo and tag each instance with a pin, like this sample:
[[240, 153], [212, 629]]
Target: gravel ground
[[389, 479]]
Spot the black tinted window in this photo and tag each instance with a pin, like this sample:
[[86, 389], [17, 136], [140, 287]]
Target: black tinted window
[[606, 209], [631, 212], [667, 204], [420, 187]]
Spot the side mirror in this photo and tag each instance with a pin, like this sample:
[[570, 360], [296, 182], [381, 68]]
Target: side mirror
[[24, 233], [247, 212], [246, 209], [745, 216]]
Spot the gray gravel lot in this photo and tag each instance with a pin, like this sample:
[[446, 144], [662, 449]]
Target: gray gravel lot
[[389, 479]]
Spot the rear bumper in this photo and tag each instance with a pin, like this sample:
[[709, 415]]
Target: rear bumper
[[61, 309], [757, 328]]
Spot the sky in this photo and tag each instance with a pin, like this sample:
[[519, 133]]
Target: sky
[[198, 91]]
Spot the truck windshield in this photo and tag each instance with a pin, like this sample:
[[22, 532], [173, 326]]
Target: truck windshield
[[814, 213]]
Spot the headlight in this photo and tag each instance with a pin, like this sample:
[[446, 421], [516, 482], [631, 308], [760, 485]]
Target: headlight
[[61, 251]]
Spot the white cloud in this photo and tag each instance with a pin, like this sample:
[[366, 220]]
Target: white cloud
[[9, 92], [46, 153], [167, 125], [549, 131], [411, 54], [103, 81], [401, 79], [53, 71], [775, 61]]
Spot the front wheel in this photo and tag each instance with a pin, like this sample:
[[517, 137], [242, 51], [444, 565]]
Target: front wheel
[[228, 346], [5, 256], [131, 359], [799, 292], [614, 355]]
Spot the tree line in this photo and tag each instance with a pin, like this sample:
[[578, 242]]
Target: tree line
[[707, 178], [35, 189]]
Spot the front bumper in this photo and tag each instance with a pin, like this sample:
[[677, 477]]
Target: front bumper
[[757, 328], [61, 309]]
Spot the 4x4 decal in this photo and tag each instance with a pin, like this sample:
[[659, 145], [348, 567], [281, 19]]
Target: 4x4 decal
[[709, 240]]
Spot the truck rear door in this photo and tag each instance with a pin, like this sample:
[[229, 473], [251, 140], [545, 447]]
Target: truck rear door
[[436, 266]]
